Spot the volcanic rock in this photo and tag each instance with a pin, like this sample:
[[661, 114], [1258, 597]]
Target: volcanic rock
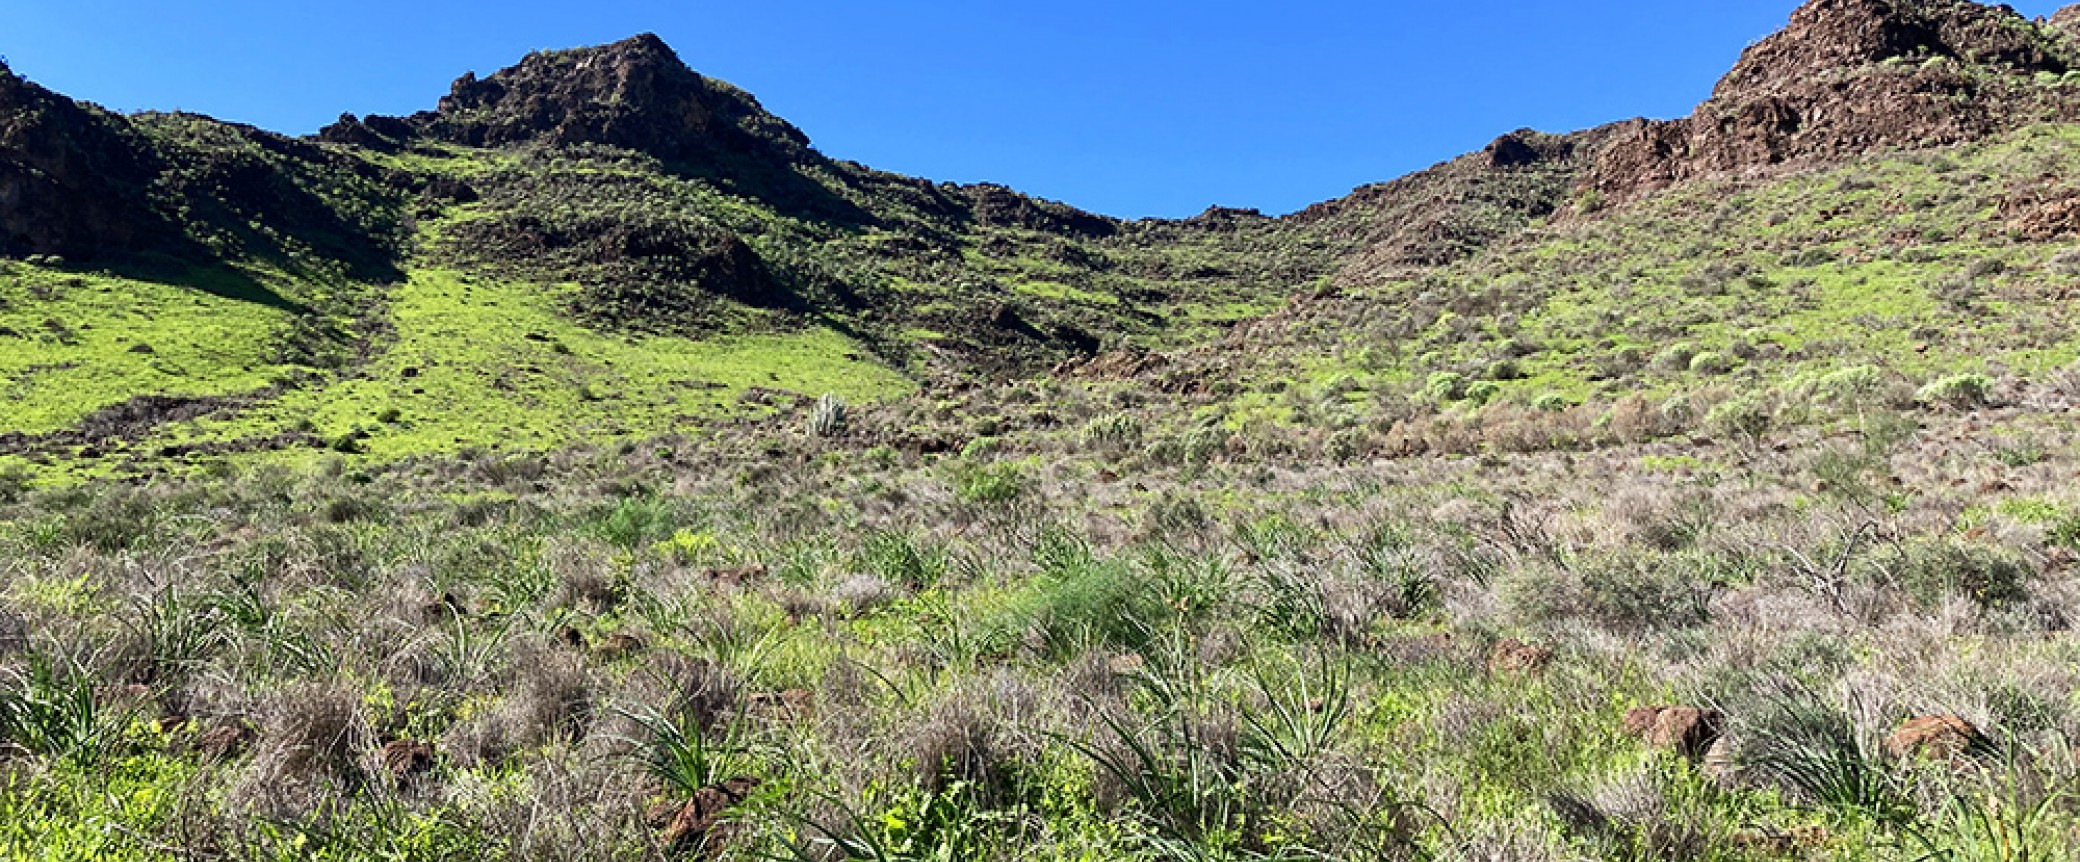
[[1849, 77], [1685, 730], [1936, 737]]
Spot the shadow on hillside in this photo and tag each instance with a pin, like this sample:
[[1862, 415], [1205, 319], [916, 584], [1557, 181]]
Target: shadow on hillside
[[783, 186], [214, 279]]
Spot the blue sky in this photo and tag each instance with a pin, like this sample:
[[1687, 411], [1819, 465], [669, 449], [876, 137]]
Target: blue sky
[[1126, 107]]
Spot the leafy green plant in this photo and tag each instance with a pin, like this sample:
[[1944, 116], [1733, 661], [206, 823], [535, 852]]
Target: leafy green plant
[[2018, 811], [901, 557], [1303, 713], [989, 484], [1809, 745], [827, 416], [54, 713], [676, 749]]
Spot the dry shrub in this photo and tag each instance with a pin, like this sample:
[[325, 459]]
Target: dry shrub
[[1634, 419], [551, 701], [571, 808], [1509, 427], [314, 739]]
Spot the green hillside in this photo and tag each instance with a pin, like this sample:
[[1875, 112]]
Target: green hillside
[[591, 469]]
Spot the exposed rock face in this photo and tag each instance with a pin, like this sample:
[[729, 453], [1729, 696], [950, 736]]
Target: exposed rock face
[[1848, 77], [635, 94], [997, 206], [71, 177], [1454, 209], [2067, 21]]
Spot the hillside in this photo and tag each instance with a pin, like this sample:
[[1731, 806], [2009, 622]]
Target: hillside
[[590, 468]]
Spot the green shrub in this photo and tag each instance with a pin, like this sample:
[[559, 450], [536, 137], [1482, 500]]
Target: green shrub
[[1713, 364], [1446, 386], [1075, 607], [1744, 416], [635, 522], [1959, 391], [989, 484], [1483, 391]]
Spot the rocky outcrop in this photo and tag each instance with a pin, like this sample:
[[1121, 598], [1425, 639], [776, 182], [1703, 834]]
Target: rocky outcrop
[[71, 176], [1848, 77], [1454, 209], [635, 94]]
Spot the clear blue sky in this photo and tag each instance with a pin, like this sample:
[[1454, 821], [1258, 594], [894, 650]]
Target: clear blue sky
[[1126, 107]]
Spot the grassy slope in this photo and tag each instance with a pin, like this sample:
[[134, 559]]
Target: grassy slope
[[1898, 262], [74, 343], [476, 363]]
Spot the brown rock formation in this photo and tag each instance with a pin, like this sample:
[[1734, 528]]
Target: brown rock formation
[[1848, 77]]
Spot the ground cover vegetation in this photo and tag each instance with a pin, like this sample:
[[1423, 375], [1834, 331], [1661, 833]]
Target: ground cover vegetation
[[591, 469]]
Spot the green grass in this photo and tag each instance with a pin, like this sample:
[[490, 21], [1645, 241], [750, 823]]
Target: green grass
[[78, 343], [477, 362]]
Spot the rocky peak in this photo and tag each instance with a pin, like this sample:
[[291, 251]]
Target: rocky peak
[[2066, 21], [635, 94], [1849, 77], [1827, 36]]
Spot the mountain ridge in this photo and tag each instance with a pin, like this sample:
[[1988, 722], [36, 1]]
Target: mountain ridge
[[624, 197]]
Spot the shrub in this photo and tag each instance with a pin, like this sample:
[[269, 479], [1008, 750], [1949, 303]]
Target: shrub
[[1087, 605], [1483, 391], [1711, 363], [635, 522], [1810, 746], [1848, 386], [987, 484], [1744, 416], [1446, 386], [1113, 432], [827, 416], [901, 558], [1959, 391], [1675, 357], [1931, 571]]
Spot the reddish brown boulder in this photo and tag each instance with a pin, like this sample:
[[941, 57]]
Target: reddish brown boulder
[[794, 704], [1936, 737], [1685, 730], [619, 645], [698, 825], [405, 758], [1515, 656], [737, 576], [226, 740]]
